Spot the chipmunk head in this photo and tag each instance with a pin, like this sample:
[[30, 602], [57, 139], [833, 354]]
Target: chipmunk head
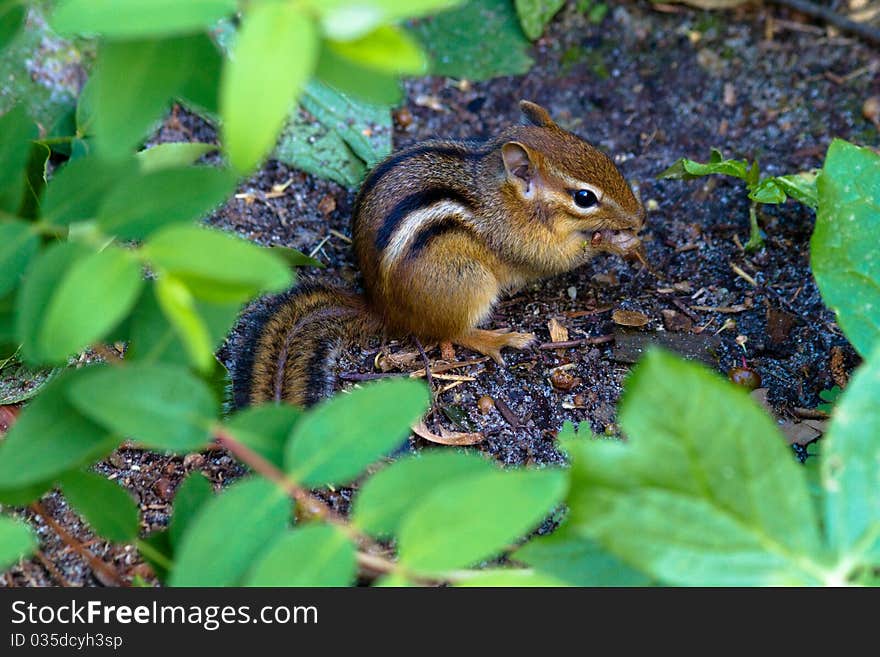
[[573, 188]]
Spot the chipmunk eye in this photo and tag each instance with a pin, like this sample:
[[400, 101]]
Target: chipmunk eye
[[584, 198]]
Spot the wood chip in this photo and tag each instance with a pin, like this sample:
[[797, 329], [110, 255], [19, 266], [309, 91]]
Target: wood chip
[[629, 318], [630, 345], [447, 437], [558, 333]]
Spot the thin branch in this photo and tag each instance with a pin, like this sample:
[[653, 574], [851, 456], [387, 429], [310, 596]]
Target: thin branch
[[102, 570], [313, 505], [862, 30], [599, 339]]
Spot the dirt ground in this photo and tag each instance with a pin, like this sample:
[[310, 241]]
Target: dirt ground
[[648, 87]]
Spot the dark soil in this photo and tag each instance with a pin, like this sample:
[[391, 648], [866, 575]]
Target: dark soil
[[647, 87]]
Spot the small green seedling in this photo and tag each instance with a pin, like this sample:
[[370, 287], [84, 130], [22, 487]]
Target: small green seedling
[[771, 189]]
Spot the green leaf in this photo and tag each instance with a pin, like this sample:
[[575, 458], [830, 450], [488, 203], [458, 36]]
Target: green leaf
[[365, 128], [201, 90], [137, 18], [18, 130], [768, 191], [386, 48], [172, 154], [508, 577], [349, 135], [479, 40], [214, 553], [843, 254], [157, 551], [76, 191], [18, 382], [390, 494], [535, 14], [97, 291], [34, 180], [134, 83], [179, 307], [12, 15], [342, 19], [577, 561], [335, 441], [851, 470], [265, 429], [18, 246], [51, 437], [39, 284], [216, 266], [161, 406], [296, 258], [272, 60], [193, 493], [476, 517], [685, 169], [801, 187], [154, 338], [105, 505], [139, 205], [315, 555], [348, 76], [24, 495], [697, 496], [17, 540]]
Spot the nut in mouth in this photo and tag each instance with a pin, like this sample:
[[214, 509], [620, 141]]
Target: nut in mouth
[[619, 241]]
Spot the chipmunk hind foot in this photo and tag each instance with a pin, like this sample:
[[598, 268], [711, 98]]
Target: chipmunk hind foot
[[490, 343]]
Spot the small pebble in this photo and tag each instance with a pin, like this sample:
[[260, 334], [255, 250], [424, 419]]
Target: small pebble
[[193, 461], [871, 110]]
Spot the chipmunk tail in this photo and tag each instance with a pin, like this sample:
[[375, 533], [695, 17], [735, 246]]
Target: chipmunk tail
[[287, 344]]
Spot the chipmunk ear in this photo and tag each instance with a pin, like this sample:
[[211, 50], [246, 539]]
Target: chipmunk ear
[[535, 115], [520, 167]]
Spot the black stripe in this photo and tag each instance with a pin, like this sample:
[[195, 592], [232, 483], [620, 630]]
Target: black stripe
[[428, 233], [466, 150], [319, 373], [408, 204]]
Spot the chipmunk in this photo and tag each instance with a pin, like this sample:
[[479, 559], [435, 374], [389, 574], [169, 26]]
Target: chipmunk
[[441, 230]]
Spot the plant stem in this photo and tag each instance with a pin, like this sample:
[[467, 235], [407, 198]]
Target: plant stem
[[154, 554], [755, 240], [315, 507]]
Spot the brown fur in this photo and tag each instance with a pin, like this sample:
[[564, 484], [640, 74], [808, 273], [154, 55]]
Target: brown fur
[[486, 218]]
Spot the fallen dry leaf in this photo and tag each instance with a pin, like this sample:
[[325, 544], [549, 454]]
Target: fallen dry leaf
[[447, 437], [799, 433], [629, 318]]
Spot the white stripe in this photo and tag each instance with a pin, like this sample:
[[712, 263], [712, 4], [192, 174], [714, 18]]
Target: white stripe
[[416, 220]]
